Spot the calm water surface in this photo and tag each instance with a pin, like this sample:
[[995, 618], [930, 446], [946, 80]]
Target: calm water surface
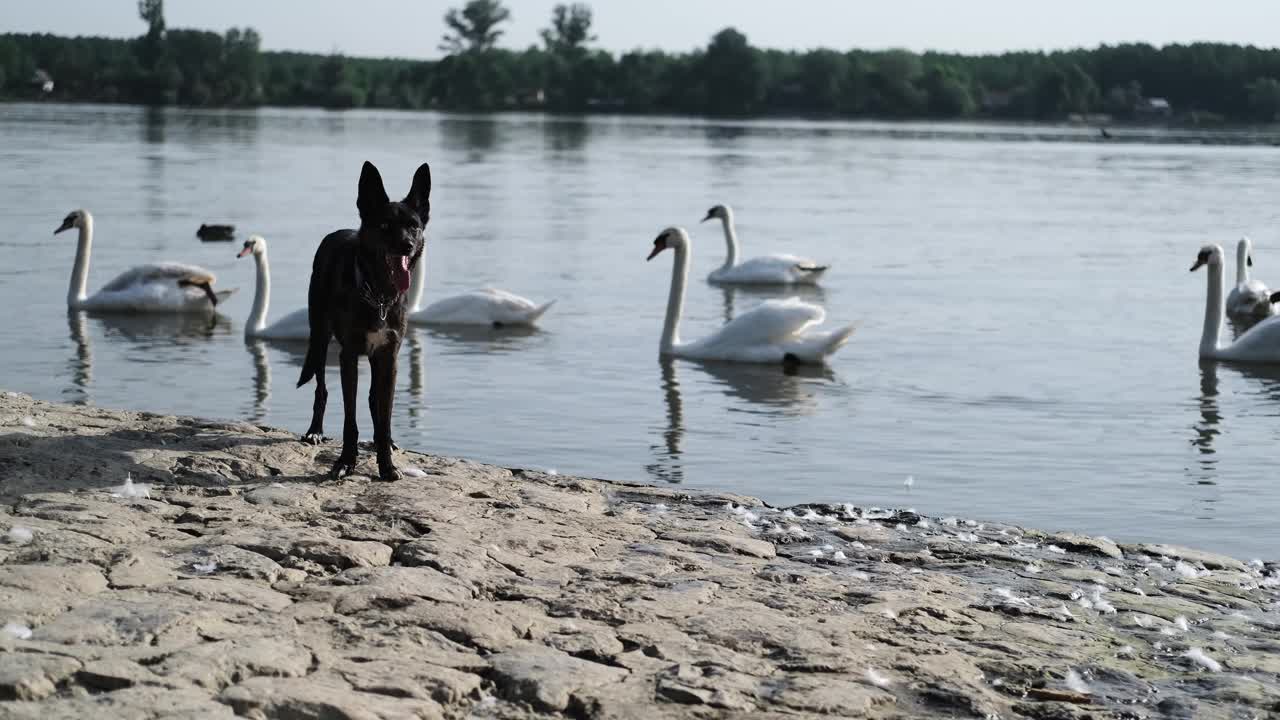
[[1027, 324]]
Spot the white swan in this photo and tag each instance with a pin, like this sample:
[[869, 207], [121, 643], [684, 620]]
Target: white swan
[[1259, 344], [487, 306], [162, 288], [294, 326], [1249, 298], [776, 331], [763, 270]]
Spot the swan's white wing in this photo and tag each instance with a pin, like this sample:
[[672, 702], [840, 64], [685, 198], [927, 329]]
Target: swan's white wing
[[1261, 343], [481, 307], [772, 322], [166, 272], [770, 269], [815, 346], [294, 326], [155, 288]]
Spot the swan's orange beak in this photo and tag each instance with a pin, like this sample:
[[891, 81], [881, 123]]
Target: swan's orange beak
[[245, 251]]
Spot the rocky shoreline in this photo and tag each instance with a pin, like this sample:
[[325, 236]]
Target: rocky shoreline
[[228, 578]]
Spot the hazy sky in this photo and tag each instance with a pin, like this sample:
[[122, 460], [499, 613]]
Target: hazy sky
[[412, 28]]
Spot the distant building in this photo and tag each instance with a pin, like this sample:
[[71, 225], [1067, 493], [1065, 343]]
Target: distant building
[[42, 80], [996, 100], [1153, 107], [527, 98]]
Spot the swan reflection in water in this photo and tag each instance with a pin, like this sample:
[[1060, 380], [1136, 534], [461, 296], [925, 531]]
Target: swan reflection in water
[[81, 365], [666, 466], [755, 294], [295, 353], [1207, 429], [148, 331], [769, 389], [479, 340], [1210, 414], [261, 379]]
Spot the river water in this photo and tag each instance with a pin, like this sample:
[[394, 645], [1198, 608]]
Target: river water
[[1027, 327]]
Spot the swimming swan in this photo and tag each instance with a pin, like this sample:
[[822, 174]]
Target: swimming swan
[[486, 307], [776, 331], [294, 326], [1249, 298], [1259, 344], [159, 288], [764, 270]]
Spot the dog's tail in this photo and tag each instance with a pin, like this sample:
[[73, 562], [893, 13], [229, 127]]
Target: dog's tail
[[317, 349], [317, 315]]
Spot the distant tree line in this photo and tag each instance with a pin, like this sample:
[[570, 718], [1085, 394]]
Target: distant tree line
[[729, 77]]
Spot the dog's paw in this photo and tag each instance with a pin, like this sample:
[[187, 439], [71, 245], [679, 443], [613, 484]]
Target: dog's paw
[[314, 439], [387, 471], [342, 468]]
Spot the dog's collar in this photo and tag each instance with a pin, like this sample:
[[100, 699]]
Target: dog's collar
[[379, 302]]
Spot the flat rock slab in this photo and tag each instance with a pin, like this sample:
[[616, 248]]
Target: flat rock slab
[[246, 584]]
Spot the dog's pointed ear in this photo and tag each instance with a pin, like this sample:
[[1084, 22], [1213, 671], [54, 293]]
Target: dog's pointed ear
[[372, 195], [419, 197]]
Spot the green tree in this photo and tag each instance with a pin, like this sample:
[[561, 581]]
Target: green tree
[[1122, 99], [334, 87], [572, 72], [729, 76], [822, 76], [570, 29], [1264, 99], [733, 75], [474, 28], [151, 45], [948, 93], [892, 85], [1082, 95], [241, 72]]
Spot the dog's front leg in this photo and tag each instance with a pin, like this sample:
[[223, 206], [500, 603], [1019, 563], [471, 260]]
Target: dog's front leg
[[382, 365], [349, 362]]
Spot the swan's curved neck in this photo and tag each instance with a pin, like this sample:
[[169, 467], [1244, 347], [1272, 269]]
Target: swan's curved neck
[[730, 241], [1212, 313], [417, 282], [675, 301], [1242, 262], [261, 295], [77, 293]]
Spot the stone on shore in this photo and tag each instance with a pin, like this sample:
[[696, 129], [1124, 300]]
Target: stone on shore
[[248, 584]]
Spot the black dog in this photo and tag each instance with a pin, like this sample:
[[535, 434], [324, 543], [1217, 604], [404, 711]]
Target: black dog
[[358, 283]]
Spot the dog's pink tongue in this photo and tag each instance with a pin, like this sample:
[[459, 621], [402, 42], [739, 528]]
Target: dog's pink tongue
[[401, 274]]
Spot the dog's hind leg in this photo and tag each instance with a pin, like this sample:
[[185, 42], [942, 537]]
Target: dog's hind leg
[[317, 353], [382, 365], [349, 362], [313, 366], [315, 433]]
